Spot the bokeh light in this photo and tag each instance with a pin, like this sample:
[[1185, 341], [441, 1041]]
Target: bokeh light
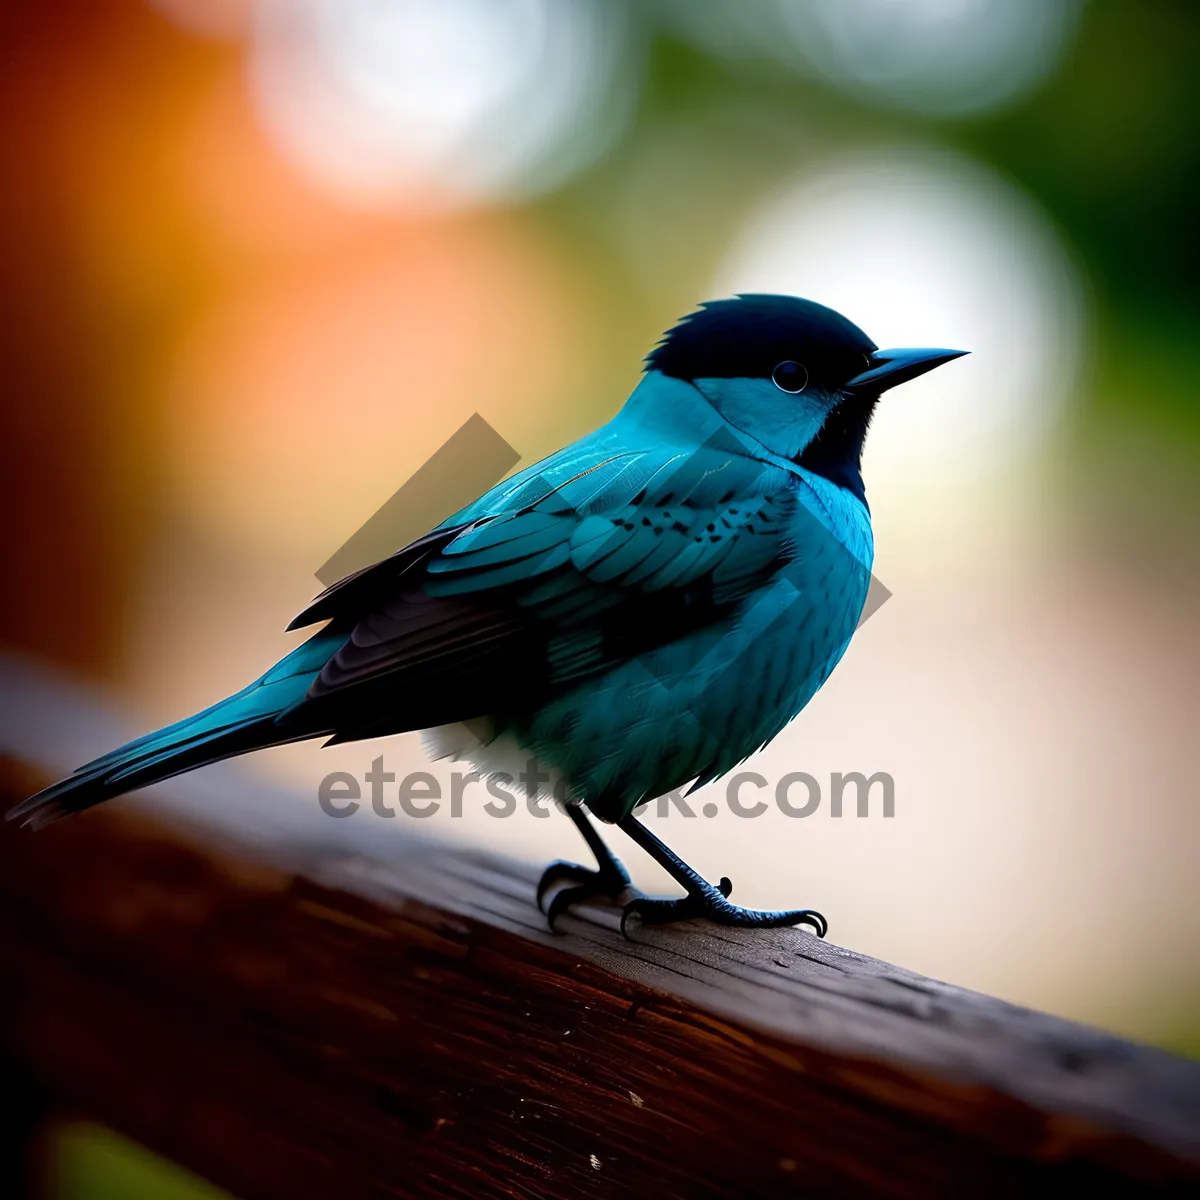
[[936, 57], [429, 104], [922, 247], [942, 57]]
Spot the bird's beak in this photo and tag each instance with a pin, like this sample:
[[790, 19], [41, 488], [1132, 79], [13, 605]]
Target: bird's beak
[[890, 367]]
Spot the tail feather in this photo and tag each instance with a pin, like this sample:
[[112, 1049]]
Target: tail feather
[[243, 722]]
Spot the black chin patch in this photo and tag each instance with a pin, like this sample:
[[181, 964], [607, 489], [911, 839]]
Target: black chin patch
[[836, 451]]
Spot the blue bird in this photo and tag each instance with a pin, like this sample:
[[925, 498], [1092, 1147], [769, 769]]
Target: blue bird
[[640, 611]]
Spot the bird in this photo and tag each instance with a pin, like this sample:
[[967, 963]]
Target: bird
[[640, 611]]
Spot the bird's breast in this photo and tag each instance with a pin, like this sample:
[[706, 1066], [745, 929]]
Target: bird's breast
[[697, 706]]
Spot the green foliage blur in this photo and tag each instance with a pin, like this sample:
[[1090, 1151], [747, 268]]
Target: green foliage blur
[[92, 1163]]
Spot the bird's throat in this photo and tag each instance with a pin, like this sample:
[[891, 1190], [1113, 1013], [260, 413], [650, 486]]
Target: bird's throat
[[836, 452]]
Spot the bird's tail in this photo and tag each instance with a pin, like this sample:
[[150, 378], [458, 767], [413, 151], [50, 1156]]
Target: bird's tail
[[243, 722]]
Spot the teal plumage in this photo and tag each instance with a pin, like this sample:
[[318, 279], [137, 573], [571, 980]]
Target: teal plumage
[[786, 554], [640, 611]]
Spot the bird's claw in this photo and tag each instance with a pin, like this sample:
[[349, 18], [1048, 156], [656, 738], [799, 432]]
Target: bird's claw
[[712, 904], [561, 872], [610, 881]]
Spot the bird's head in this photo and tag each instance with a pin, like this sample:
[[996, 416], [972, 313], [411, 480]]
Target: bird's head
[[795, 375]]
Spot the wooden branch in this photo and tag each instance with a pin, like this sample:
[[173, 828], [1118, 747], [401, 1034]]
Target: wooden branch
[[295, 1019]]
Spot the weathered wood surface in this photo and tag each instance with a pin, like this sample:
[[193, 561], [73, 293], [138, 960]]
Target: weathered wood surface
[[295, 1020]]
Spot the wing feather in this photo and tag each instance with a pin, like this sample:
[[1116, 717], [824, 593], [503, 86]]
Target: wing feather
[[553, 579]]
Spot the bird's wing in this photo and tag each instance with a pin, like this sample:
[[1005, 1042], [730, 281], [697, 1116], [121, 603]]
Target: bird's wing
[[553, 577]]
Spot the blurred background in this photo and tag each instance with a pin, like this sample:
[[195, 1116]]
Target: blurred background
[[261, 258]]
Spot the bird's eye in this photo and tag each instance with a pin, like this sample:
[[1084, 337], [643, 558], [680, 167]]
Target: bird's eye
[[790, 377]]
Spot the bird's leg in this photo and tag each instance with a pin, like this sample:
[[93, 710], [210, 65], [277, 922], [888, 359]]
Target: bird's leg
[[609, 879], [702, 899]]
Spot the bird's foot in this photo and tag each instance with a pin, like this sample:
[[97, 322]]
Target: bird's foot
[[611, 880], [712, 903]]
